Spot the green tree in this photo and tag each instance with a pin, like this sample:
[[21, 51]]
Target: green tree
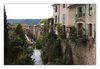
[[20, 31], [18, 51], [45, 26], [6, 40]]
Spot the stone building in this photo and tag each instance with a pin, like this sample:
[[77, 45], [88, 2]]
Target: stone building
[[80, 16], [25, 27], [83, 15], [37, 30], [60, 13]]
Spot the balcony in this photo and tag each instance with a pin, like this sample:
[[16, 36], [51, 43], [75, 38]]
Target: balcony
[[80, 16]]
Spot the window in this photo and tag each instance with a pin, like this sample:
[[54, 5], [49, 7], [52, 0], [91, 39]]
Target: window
[[55, 19], [90, 10], [79, 11], [55, 8], [90, 29], [63, 5], [79, 29], [63, 18]]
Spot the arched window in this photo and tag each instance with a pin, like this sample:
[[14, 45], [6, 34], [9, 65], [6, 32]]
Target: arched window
[[90, 29], [80, 29]]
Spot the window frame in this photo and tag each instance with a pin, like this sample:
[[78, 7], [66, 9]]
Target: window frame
[[55, 8], [79, 29], [63, 5], [55, 19], [63, 18], [90, 10], [80, 11]]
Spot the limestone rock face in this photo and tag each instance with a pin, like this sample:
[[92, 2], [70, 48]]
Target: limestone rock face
[[83, 55]]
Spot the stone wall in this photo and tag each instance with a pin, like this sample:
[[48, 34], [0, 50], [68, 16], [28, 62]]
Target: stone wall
[[81, 55], [84, 54], [67, 52]]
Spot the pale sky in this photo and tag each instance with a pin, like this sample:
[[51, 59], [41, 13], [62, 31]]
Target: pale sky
[[29, 11]]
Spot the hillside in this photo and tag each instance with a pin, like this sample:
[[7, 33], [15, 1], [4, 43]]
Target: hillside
[[22, 21]]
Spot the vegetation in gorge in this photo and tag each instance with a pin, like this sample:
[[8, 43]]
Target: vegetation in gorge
[[50, 43], [18, 51], [61, 31]]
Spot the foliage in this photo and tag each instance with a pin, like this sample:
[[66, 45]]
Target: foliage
[[44, 21], [20, 31], [6, 39], [39, 42], [23, 59], [61, 31], [18, 51], [46, 26], [80, 38], [73, 34], [51, 47], [51, 44]]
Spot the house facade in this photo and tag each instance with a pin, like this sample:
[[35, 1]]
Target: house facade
[[83, 18], [60, 14], [78, 15]]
